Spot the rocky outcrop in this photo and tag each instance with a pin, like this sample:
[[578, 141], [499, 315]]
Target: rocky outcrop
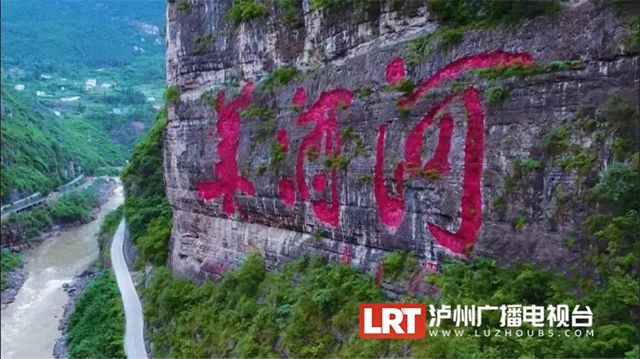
[[351, 161]]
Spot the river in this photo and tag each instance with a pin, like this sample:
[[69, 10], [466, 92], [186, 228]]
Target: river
[[30, 323]]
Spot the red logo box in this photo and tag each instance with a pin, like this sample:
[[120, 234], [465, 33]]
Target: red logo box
[[393, 321]]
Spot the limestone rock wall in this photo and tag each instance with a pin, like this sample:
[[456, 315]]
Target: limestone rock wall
[[340, 162]]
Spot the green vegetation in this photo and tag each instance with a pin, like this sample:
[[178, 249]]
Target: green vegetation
[[86, 84], [497, 94], [556, 140], [10, 261], [261, 169], [310, 309], [399, 265], [490, 12], [404, 111], [184, 6], [500, 206], [364, 92], [457, 16], [105, 234], [334, 161], [348, 133], [251, 309], [326, 4], [201, 43], [146, 207], [311, 153], [519, 222], [75, 36], [96, 325], [267, 130], [432, 174], [210, 98], [70, 208], [37, 147], [280, 77], [405, 86], [173, 94], [531, 164], [278, 154], [256, 111], [419, 49], [633, 39], [365, 178], [290, 10], [518, 70], [450, 36], [246, 10]]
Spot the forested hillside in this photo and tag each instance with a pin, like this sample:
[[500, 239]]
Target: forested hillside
[[81, 91], [65, 35], [41, 151]]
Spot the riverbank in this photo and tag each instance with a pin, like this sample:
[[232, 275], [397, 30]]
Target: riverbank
[[18, 276], [39, 305], [73, 290]]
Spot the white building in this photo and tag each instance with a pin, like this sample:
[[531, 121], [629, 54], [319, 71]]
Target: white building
[[90, 84]]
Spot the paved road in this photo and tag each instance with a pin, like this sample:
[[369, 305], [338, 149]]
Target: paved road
[[51, 197], [133, 336]]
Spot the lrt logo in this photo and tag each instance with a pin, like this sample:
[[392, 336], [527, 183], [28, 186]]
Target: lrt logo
[[393, 321]]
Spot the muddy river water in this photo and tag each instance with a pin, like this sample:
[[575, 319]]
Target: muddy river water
[[30, 323]]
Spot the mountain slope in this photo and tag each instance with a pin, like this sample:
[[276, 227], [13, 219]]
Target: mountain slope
[[41, 151]]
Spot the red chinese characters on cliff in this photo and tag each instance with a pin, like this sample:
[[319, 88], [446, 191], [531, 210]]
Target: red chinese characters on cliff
[[321, 190], [325, 130], [392, 207], [228, 179]]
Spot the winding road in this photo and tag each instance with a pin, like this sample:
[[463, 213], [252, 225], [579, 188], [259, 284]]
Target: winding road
[[133, 336]]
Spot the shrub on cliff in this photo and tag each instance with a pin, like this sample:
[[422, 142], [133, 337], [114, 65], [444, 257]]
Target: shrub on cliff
[[146, 207], [489, 12], [246, 10]]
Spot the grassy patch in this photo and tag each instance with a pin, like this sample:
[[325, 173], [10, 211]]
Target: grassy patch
[[256, 111], [364, 92], [404, 111], [280, 77], [365, 178], [311, 153], [519, 222], [339, 162], [556, 140], [290, 10], [201, 43], [497, 94], [267, 130], [173, 94], [489, 13], [278, 154], [184, 6], [210, 98]]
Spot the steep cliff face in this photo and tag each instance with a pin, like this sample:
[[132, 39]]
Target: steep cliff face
[[490, 153]]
